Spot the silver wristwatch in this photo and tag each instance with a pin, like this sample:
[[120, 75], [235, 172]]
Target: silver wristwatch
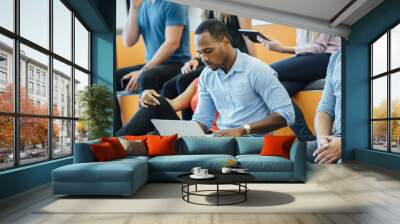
[[247, 129]]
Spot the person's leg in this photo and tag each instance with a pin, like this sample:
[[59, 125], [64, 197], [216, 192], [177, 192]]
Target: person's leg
[[302, 68], [169, 89], [120, 73], [182, 82], [156, 77], [140, 124]]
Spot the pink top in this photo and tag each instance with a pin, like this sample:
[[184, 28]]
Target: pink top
[[325, 43]]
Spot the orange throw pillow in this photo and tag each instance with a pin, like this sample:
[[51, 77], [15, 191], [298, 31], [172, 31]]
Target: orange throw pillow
[[161, 145], [103, 152], [116, 145], [277, 146]]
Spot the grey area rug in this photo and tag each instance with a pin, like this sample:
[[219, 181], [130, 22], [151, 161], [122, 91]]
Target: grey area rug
[[166, 198]]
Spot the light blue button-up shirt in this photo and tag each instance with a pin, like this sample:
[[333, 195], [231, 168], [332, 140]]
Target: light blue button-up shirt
[[331, 99], [250, 92]]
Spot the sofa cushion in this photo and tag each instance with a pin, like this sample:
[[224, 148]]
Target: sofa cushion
[[185, 163], [206, 145], [277, 146], [316, 85], [161, 145], [257, 163], [249, 145], [83, 152], [112, 171], [103, 152]]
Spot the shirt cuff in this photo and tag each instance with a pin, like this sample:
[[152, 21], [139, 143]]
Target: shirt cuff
[[288, 116]]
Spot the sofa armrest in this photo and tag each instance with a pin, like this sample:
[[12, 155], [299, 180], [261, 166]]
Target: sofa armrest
[[298, 157], [83, 152]]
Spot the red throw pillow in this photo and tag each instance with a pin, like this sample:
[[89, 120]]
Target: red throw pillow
[[161, 145], [277, 146], [103, 152], [116, 145]]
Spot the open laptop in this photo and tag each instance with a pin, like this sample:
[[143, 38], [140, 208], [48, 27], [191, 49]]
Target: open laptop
[[182, 128]]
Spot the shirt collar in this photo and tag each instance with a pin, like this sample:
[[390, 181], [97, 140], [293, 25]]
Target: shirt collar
[[237, 65]]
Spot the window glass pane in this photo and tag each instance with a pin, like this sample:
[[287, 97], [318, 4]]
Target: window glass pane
[[6, 74], [379, 55], [395, 136], [62, 29], [7, 14], [35, 21], [395, 47], [62, 138], [81, 131], [395, 95], [34, 72], [379, 135], [81, 45], [6, 142], [62, 89], [379, 97], [33, 139], [81, 81]]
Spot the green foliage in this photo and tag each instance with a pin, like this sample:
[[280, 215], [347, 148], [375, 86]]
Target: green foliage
[[96, 104]]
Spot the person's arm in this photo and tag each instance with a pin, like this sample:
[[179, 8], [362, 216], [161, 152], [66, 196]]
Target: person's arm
[[173, 35], [205, 110], [275, 45], [245, 23], [183, 100], [131, 32], [319, 45], [329, 147]]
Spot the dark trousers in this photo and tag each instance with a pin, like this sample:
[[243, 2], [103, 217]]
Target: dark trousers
[[151, 79], [180, 83], [295, 73], [140, 123]]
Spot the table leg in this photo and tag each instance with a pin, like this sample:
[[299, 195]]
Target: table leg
[[217, 194], [196, 187]]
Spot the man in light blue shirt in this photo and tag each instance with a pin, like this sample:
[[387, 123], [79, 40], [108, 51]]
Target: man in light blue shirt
[[243, 90], [327, 148]]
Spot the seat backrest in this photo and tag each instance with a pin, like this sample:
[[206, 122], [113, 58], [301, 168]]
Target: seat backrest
[[206, 145], [249, 145]]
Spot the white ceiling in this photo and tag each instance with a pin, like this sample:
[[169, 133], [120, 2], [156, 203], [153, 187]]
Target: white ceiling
[[316, 15]]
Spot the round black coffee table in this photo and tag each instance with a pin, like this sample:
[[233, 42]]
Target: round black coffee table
[[238, 179]]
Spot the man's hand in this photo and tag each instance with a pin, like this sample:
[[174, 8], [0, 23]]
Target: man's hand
[[189, 66], [133, 78], [232, 132], [272, 45], [149, 98], [136, 3], [330, 152]]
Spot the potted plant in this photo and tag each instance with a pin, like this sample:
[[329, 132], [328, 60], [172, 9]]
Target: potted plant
[[95, 103]]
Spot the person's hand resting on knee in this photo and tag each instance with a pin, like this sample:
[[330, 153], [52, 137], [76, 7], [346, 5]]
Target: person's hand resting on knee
[[329, 150], [149, 98]]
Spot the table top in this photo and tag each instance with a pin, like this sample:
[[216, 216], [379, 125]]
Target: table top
[[220, 178]]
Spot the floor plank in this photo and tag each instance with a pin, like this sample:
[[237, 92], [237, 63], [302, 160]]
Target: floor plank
[[354, 182]]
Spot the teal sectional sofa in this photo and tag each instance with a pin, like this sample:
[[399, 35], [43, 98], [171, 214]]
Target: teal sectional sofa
[[125, 176]]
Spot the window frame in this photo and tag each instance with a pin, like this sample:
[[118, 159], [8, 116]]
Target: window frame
[[388, 74], [16, 114]]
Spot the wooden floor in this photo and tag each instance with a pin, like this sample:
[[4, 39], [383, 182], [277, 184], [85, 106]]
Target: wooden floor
[[378, 188]]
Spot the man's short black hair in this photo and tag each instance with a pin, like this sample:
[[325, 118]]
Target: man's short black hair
[[215, 28]]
